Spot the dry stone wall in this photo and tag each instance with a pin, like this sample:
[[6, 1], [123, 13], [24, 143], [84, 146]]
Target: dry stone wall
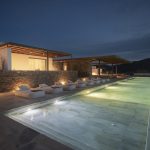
[[9, 80]]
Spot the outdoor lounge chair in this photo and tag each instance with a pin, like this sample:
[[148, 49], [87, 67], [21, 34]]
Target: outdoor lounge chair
[[57, 88], [90, 82], [25, 91], [103, 80], [45, 88], [97, 80], [69, 86], [80, 84]]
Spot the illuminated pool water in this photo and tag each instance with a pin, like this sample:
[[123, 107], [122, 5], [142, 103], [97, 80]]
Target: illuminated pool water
[[113, 118]]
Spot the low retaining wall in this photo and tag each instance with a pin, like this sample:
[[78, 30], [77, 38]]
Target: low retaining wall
[[11, 79]]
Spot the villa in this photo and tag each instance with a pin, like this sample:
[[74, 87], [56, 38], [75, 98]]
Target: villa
[[20, 57], [100, 112], [14, 56], [25, 61]]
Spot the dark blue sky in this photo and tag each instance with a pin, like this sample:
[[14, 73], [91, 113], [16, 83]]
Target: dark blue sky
[[82, 27]]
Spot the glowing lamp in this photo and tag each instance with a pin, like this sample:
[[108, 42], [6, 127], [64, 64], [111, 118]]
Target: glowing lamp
[[94, 74], [84, 79], [62, 82]]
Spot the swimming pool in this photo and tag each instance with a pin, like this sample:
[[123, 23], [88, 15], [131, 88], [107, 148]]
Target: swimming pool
[[112, 118]]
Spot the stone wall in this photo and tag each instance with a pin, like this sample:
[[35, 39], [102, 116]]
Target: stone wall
[[9, 80], [84, 69]]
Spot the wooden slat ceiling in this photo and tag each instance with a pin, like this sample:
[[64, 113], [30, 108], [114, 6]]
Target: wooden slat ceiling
[[29, 50], [111, 59]]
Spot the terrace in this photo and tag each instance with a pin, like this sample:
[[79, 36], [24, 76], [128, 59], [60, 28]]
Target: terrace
[[124, 116], [110, 112]]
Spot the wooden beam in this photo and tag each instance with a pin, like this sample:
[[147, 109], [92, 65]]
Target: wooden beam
[[112, 69]]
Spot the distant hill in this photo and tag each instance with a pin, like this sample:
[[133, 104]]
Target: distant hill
[[142, 66]]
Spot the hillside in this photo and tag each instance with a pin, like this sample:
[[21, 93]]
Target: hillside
[[142, 66]]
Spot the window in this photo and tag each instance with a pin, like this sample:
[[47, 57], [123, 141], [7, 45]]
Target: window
[[37, 64]]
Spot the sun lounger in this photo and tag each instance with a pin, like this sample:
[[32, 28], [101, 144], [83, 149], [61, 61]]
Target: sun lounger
[[69, 86], [80, 84], [57, 88], [25, 91], [90, 82], [45, 88], [96, 80]]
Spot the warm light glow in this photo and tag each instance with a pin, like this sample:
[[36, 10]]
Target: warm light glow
[[16, 87], [94, 74], [84, 79], [62, 82], [94, 71], [65, 67]]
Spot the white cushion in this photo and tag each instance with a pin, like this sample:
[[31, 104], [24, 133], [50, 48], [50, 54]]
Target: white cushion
[[43, 85]]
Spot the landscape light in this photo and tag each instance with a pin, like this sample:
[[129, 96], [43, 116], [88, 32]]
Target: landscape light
[[62, 82]]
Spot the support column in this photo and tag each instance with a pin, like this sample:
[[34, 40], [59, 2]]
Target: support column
[[47, 60], [99, 65], [116, 69], [112, 69]]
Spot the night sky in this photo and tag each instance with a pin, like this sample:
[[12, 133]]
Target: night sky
[[81, 27]]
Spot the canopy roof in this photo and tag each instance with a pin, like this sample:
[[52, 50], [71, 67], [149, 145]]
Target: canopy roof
[[30, 50], [110, 59]]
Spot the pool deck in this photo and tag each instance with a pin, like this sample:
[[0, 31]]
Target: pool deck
[[15, 136]]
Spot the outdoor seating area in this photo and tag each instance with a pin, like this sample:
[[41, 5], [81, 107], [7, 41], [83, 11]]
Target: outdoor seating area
[[58, 87], [25, 91]]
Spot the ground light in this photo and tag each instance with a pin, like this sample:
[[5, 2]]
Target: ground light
[[63, 82], [84, 79]]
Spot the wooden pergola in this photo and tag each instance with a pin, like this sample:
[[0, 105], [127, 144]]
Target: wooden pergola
[[110, 59], [34, 51]]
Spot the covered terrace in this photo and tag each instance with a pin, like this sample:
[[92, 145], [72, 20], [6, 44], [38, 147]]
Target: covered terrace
[[112, 60]]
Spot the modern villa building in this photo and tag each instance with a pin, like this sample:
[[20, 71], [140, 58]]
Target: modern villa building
[[34, 66], [20, 57], [14, 56]]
